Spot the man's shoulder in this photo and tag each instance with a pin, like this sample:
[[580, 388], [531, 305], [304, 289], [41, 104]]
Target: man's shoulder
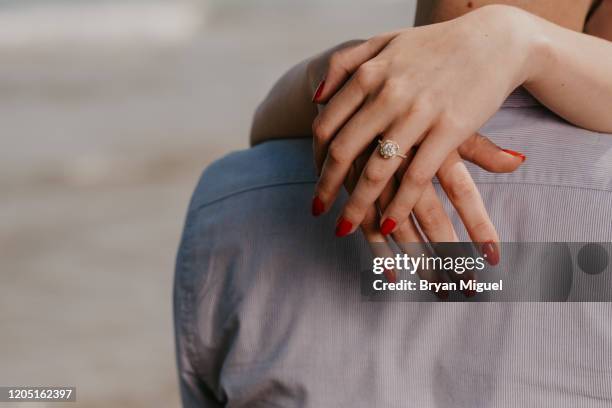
[[279, 162]]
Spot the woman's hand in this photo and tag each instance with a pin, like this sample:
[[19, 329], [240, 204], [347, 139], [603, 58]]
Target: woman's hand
[[432, 86], [434, 225]]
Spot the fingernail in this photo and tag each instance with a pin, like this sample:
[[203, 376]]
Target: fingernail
[[490, 252], [343, 227], [318, 92], [442, 294], [469, 293], [388, 225], [318, 207], [515, 154], [390, 276]]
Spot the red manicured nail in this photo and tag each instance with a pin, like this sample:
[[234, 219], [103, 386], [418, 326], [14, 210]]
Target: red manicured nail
[[515, 154], [343, 227], [388, 225], [490, 252], [318, 207], [469, 293], [318, 92], [390, 276], [442, 294]]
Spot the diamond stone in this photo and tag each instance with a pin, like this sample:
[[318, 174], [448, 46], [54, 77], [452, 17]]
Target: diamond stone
[[389, 149]]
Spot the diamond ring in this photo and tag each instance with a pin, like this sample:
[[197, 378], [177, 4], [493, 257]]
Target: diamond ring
[[389, 149]]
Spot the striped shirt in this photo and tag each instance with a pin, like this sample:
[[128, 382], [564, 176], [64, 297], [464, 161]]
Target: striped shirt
[[268, 311]]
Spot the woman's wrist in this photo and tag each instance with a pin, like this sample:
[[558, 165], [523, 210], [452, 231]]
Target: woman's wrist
[[522, 37], [538, 46]]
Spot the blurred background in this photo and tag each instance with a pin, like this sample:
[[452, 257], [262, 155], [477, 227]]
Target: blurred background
[[109, 111]]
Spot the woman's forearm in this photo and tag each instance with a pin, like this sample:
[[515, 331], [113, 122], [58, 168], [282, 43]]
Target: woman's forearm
[[572, 75], [569, 73], [286, 111]]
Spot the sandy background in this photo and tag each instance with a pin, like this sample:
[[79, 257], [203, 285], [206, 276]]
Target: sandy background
[[109, 111]]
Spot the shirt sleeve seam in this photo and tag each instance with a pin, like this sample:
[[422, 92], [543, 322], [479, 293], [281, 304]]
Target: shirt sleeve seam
[[206, 203]]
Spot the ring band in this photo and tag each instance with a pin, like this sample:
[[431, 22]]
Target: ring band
[[389, 149]]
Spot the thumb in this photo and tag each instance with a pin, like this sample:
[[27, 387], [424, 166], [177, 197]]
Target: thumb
[[481, 151]]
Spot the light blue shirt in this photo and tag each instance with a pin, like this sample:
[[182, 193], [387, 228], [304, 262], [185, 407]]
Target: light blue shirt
[[268, 311]]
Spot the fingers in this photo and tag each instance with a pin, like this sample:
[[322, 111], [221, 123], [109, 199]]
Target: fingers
[[378, 170], [344, 62], [371, 120], [481, 151], [465, 197], [409, 233], [432, 218], [428, 159], [409, 240], [331, 119], [359, 111], [377, 242], [438, 228]]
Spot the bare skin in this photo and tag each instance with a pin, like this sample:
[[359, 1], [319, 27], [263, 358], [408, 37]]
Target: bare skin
[[566, 13], [287, 111], [600, 21], [568, 75], [423, 87]]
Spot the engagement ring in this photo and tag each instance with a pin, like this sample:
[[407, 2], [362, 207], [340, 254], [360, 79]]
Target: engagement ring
[[389, 149]]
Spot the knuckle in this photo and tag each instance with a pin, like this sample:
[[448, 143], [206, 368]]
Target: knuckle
[[479, 141], [366, 75], [431, 219], [461, 189], [417, 177], [337, 60], [320, 130], [323, 190], [484, 228], [453, 123], [423, 105], [374, 174], [393, 91], [337, 154]]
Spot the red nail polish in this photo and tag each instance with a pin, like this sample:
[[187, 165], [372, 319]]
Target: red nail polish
[[469, 293], [442, 294], [318, 207], [490, 252], [387, 226], [515, 154], [318, 92], [343, 227], [390, 276]]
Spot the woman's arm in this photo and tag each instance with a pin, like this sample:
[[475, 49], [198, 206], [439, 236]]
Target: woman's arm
[[574, 74], [286, 111], [434, 86]]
